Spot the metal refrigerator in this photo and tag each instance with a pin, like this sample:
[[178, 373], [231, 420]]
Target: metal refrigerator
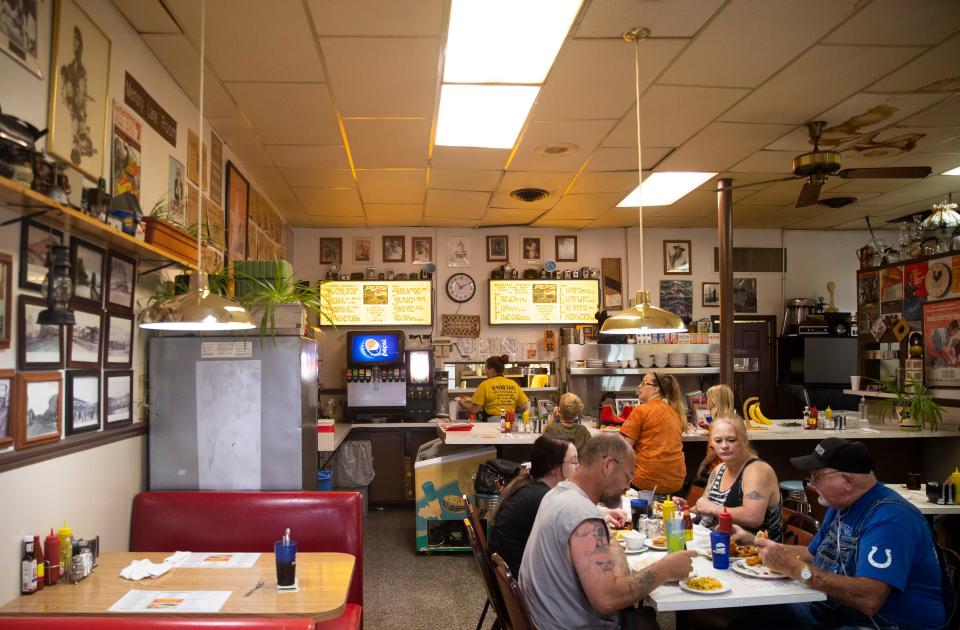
[[233, 412]]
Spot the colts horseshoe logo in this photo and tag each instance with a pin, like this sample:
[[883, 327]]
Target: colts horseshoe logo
[[879, 565]]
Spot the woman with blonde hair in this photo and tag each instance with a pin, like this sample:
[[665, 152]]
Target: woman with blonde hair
[[654, 429], [565, 415], [719, 405]]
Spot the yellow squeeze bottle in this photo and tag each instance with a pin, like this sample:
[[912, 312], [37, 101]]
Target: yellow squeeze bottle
[[955, 480], [668, 508], [65, 535]]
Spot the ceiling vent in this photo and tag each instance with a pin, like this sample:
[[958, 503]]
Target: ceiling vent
[[556, 150], [529, 195], [837, 202]]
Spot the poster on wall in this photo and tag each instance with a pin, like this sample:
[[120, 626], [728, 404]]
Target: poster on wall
[[612, 278], [127, 132], [744, 295], [193, 157], [177, 193], [216, 169], [676, 296], [868, 288], [941, 343], [914, 291], [78, 92], [236, 214], [891, 284], [18, 35]]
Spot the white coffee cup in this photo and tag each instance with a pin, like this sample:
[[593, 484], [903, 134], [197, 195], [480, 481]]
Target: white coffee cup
[[855, 382], [624, 363], [633, 363], [634, 540]]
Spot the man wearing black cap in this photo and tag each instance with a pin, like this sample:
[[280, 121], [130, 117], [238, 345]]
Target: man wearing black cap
[[874, 555]]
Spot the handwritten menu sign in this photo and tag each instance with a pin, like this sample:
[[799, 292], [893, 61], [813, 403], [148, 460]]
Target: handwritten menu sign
[[377, 303], [544, 301]]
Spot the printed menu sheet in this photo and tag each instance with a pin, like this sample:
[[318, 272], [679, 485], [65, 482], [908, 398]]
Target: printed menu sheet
[[377, 303], [219, 561], [544, 301], [171, 602]]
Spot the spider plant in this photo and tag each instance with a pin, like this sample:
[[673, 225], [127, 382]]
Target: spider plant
[[267, 293], [912, 400]]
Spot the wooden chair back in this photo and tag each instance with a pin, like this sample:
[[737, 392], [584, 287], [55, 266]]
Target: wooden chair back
[[473, 520], [793, 535], [800, 521], [694, 493], [513, 598], [489, 578]]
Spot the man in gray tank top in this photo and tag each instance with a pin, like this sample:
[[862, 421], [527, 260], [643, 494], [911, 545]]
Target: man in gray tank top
[[573, 576]]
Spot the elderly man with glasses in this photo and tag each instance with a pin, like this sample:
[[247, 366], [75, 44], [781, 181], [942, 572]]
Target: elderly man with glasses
[[874, 556]]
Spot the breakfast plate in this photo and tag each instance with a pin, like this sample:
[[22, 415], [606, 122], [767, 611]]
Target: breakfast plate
[[653, 543], [633, 552], [705, 585], [756, 571]]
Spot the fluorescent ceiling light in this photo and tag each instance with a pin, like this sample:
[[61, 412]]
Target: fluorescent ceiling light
[[662, 189], [953, 171], [488, 116], [505, 41]]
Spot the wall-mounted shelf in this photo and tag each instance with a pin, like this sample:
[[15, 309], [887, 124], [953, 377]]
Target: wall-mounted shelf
[[938, 394], [20, 198], [627, 371]]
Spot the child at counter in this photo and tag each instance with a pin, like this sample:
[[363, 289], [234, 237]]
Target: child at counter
[[564, 421]]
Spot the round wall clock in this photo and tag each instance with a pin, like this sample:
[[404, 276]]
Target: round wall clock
[[461, 287], [938, 280]]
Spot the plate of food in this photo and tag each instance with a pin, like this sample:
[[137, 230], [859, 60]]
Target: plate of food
[[705, 585], [659, 543], [754, 567]]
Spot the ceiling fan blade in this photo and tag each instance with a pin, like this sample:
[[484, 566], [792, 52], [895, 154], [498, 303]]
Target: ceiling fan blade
[[809, 194], [890, 172]]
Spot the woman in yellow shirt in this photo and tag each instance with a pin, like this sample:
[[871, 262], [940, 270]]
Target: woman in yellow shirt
[[497, 392]]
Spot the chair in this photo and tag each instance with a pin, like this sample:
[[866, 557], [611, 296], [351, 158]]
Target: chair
[[817, 511], [791, 491], [800, 521], [793, 535], [489, 581], [513, 597], [473, 520]]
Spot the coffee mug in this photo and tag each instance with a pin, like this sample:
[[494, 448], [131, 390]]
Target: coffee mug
[[913, 481], [634, 540]]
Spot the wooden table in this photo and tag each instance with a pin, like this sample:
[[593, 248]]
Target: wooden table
[[918, 499], [324, 579]]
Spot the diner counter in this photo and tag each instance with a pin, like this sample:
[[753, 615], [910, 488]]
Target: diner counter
[[328, 442]]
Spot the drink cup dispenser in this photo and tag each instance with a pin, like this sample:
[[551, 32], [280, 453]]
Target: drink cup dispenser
[[385, 381]]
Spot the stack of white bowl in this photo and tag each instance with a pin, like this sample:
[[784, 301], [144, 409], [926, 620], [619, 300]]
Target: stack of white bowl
[[697, 359], [714, 359], [678, 359], [661, 359], [646, 360]]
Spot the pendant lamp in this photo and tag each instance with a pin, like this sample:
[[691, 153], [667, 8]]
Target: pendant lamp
[[198, 309], [641, 318]]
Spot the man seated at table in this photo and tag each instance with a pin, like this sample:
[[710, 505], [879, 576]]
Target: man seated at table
[[874, 556], [572, 574]]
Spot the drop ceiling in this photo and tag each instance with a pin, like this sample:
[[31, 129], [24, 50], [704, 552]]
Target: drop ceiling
[[332, 107]]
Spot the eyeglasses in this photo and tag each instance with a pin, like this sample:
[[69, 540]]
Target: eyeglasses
[[575, 462], [816, 479], [627, 474]]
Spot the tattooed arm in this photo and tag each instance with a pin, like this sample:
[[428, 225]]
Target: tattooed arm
[[759, 485], [603, 571]]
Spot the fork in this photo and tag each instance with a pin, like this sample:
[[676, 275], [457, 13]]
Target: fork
[[258, 585]]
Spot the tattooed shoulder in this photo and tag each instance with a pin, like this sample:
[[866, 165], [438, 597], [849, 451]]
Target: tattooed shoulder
[[755, 495]]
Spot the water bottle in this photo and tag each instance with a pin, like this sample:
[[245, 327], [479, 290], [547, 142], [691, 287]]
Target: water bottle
[[864, 411]]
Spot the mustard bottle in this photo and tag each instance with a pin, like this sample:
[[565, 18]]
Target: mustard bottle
[[65, 535], [668, 508], [955, 480]]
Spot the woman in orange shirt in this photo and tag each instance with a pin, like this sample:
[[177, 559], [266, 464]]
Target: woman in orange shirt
[[654, 430]]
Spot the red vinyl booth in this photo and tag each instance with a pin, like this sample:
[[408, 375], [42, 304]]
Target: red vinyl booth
[[158, 623]]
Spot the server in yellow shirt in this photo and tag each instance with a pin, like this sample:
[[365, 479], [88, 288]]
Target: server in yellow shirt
[[497, 392]]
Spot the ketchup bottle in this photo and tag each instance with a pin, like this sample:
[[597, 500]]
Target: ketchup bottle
[[687, 525], [726, 522], [51, 552]]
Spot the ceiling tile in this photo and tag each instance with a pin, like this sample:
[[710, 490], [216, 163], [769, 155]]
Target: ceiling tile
[[388, 143], [584, 134], [273, 183], [616, 217], [625, 158], [456, 203], [307, 156], [147, 16], [674, 18], [469, 158], [241, 139], [391, 187], [590, 206], [935, 71], [509, 216], [561, 224], [318, 177], [342, 202], [943, 114], [293, 212], [554, 183], [377, 17], [766, 162], [319, 220], [720, 146], [288, 113], [463, 179], [897, 23], [394, 214], [182, 61], [606, 182], [449, 222], [933, 186]]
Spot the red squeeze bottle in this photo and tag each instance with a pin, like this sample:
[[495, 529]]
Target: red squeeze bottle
[[726, 522], [51, 563], [38, 554]]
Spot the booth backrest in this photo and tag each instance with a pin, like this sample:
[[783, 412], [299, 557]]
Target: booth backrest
[[159, 623], [251, 521]]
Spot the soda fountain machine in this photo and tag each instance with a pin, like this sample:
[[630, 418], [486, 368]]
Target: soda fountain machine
[[386, 382]]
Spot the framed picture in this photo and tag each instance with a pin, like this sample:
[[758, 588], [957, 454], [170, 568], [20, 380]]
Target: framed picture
[[458, 251], [676, 258], [498, 248], [118, 348], [238, 191], [35, 242], [394, 249], [38, 347], [37, 416], [78, 91], [530, 249], [193, 157], [118, 398], [941, 361], [216, 169], [331, 251], [676, 296], [87, 263], [83, 338], [362, 246], [710, 294], [177, 193], [6, 298], [8, 391], [566, 248], [422, 248], [18, 35], [121, 281], [611, 273], [82, 403], [744, 295]]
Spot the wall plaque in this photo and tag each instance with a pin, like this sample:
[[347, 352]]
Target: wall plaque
[[139, 101]]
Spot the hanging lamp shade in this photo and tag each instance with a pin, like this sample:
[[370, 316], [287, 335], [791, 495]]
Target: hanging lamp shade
[[197, 310], [642, 319]]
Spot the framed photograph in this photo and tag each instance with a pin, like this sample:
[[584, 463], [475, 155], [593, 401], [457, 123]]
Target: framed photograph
[[118, 398], [87, 263], [83, 338], [710, 294], [216, 169], [238, 190], [331, 251], [941, 342], [744, 295], [676, 296], [611, 273], [498, 248], [362, 246], [530, 249], [35, 242], [38, 347], [566, 248], [8, 391], [676, 258], [6, 298], [78, 90], [193, 157], [394, 249], [118, 348], [458, 251], [177, 193], [422, 248], [18, 35], [37, 416], [82, 403], [121, 281]]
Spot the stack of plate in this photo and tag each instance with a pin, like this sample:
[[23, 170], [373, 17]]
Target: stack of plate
[[594, 363], [714, 359], [611, 364], [678, 359], [697, 359], [661, 359]]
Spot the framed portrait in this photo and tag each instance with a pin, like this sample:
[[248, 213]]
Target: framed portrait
[[710, 294], [566, 248], [238, 191], [83, 338], [18, 35], [458, 251], [498, 248], [118, 398], [941, 362], [38, 347], [676, 258], [87, 263], [331, 251], [82, 402], [121, 282], [118, 347], [37, 418], [78, 90], [530, 249], [394, 249], [611, 273], [35, 242], [8, 393], [744, 295], [362, 246], [421, 248], [6, 298]]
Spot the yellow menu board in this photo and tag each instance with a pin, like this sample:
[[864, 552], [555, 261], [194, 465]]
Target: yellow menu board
[[376, 302], [544, 301]]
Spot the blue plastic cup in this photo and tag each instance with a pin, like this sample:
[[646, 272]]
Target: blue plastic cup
[[325, 480], [286, 562], [638, 508], [720, 549]]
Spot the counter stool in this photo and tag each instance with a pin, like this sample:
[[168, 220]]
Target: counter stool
[[794, 496]]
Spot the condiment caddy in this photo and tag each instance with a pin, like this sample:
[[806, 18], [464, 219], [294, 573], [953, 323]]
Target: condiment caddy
[[60, 557]]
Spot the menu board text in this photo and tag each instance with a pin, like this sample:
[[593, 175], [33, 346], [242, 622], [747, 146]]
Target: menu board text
[[544, 301], [376, 303]]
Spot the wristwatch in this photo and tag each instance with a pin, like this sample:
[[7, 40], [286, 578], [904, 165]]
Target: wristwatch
[[805, 573]]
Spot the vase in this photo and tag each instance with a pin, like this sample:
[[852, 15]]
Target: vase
[[907, 421]]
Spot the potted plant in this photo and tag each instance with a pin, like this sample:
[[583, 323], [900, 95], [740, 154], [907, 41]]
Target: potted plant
[[264, 296], [912, 404]]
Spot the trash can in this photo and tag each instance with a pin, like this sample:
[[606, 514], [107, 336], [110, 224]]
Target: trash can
[[354, 468], [324, 480]]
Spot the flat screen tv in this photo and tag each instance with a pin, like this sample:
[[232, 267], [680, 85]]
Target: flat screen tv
[[375, 348]]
